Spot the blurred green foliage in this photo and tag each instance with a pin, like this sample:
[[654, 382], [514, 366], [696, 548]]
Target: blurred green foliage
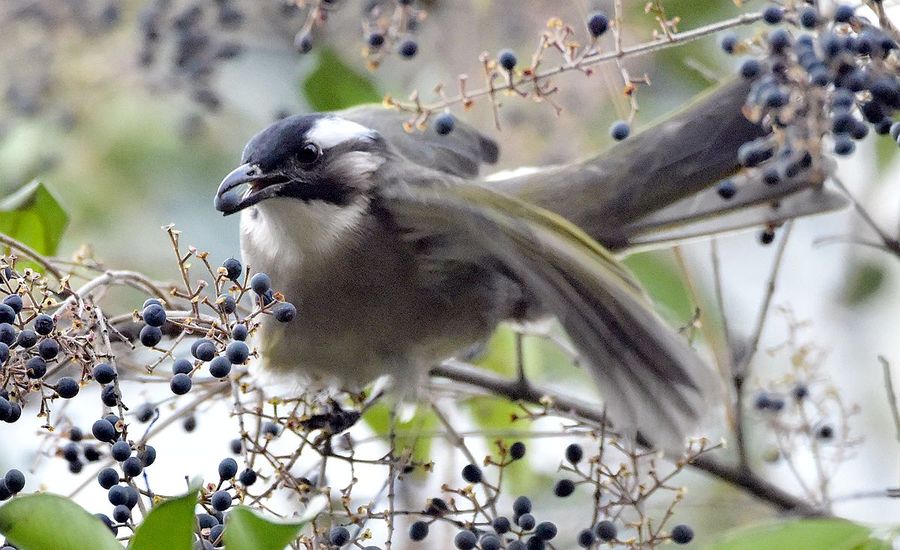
[[833, 534], [41, 521], [334, 85]]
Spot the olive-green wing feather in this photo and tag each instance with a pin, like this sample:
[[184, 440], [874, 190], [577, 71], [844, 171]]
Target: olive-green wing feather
[[650, 378]]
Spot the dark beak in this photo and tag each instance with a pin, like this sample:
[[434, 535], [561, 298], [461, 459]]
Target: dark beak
[[245, 186]]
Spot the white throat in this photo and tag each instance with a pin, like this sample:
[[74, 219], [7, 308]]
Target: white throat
[[287, 232]]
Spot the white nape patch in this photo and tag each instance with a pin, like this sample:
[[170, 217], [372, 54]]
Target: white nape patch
[[332, 130], [515, 173]]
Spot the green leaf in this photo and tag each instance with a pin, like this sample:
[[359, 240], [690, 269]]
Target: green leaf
[[169, 525], [834, 534], [245, 529], [407, 433], [334, 85], [34, 216], [863, 281], [663, 283], [43, 520]]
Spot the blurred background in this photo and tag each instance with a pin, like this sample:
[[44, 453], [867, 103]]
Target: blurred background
[[130, 136]]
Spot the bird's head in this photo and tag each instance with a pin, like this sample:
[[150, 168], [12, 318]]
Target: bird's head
[[305, 158]]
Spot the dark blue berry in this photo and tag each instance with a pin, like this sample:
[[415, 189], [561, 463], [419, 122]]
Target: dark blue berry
[[750, 68], [180, 384], [574, 453], [189, 424], [418, 530], [154, 315], [507, 59], [284, 312], [376, 40], [221, 500], [132, 467], [501, 525], [444, 123], [409, 48], [227, 304], [107, 478], [147, 455], [260, 283], [220, 367], [564, 488], [27, 339], [103, 430], [228, 468], [70, 452], [825, 432], [35, 368], [120, 451], [491, 542], [67, 387], [472, 473], [247, 477], [103, 373], [586, 538], [43, 324], [91, 454], [15, 302], [109, 395], [682, 534], [7, 314], [150, 336], [144, 412], [465, 540], [779, 40], [121, 513], [233, 268], [15, 481], [545, 531], [182, 366], [239, 332], [7, 334], [726, 189], [606, 530], [339, 536], [526, 521], [728, 43], [843, 13], [809, 18], [236, 446], [5, 409], [4, 492], [619, 130], [205, 350], [207, 521], [800, 392], [773, 14], [15, 413], [117, 495], [517, 450], [522, 505], [597, 24], [843, 146]]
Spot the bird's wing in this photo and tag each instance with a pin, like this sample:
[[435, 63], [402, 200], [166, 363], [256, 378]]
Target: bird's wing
[[650, 378], [461, 152]]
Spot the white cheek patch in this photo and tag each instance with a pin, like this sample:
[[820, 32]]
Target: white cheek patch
[[330, 131]]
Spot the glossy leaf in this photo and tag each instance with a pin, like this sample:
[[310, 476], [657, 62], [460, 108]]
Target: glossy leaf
[[834, 534], [334, 85], [246, 529], [170, 525], [406, 433], [35, 217], [41, 521]]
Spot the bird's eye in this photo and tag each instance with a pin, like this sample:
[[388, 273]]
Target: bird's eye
[[309, 153]]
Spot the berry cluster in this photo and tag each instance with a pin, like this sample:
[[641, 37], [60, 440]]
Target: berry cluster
[[187, 43], [819, 86], [804, 414]]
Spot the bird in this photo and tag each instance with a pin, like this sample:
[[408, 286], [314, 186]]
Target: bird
[[399, 254]]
